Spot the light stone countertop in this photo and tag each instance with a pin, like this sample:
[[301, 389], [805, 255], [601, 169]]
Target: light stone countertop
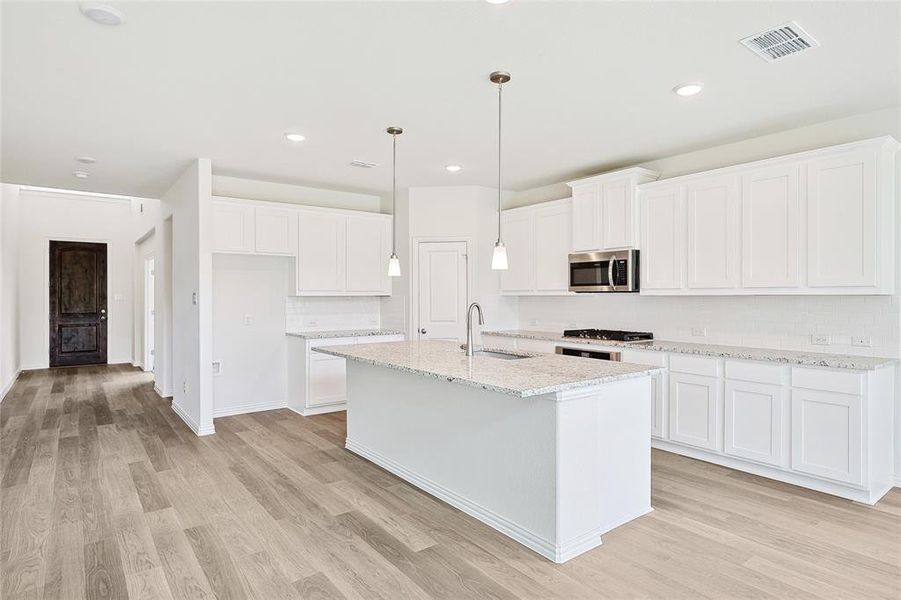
[[339, 333], [794, 357], [536, 374]]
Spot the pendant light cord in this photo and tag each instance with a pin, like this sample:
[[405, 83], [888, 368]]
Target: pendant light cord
[[394, 194], [500, 88]]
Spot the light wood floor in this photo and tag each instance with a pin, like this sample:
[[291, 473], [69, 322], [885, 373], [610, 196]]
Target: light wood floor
[[106, 494]]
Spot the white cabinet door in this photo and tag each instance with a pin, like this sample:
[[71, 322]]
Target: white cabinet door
[[320, 255], [841, 220], [827, 435], [713, 233], [617, 215], [275, 231], [770, 227], [368, 247], [694, 410], [232, 227], [658, 387], [552, 235], [328, 381], [754, 421], [662, 239], [586, 218], [517, 235]]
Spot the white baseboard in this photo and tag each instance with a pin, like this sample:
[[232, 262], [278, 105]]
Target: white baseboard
[[318, 410], [242, 409], [9, 385], [897, 480], [160, 392], [191, 423], [544, 547]]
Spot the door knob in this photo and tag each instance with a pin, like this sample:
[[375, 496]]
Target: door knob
[[102, 311], [422, 331]]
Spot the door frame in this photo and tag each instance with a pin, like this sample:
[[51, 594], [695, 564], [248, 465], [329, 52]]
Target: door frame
[[45, 240], [149, 324], [413, 334]]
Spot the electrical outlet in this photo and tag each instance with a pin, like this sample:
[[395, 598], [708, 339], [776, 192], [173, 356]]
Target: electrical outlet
[[217, 367], [699, 331], [820, 340], [248, 319], [184, 386], [861, 341]]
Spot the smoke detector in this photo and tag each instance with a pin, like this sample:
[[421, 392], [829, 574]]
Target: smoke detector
[[779, 42], [102, 13], [363, 164]]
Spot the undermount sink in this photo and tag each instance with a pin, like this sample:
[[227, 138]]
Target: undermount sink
[[498, 354]]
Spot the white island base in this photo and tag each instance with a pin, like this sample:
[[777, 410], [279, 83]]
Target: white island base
[[553, 471]]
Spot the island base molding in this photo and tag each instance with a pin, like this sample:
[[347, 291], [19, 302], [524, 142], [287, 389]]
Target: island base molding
[[553, 472], [864, 496]]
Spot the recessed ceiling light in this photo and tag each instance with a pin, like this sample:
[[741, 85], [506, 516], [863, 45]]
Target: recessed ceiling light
[[88, 160], [295, 137], [363, 164], [101, 13], [689, 89], [81, 174], [454, 168]]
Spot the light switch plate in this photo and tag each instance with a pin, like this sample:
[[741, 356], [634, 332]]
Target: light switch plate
[[699, 331], [818, 339], [861, 341]]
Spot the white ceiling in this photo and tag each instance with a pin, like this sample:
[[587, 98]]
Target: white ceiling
[[590, 90]]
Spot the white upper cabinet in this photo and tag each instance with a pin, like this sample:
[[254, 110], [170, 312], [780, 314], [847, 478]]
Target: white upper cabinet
[[713, 232], [770, 227], [605, 210], [232, 227], [368, 246], [275, 230], [538, 240], [817, 222], [321, 252], [841, 220], [663, 239]]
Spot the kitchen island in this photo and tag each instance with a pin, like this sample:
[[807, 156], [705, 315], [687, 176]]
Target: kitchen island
[[552, 451]]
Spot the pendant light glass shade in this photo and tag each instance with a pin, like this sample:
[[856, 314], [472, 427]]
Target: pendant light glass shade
[[394, 266], [499, 258], [393, 261]]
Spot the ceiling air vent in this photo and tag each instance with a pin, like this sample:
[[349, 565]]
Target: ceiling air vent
[[363, 164], [779, 42]]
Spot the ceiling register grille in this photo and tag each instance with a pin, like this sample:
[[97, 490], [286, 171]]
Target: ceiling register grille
[[782, 41]]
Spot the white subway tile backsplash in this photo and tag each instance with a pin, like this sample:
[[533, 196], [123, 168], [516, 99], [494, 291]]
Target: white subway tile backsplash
[[317, 314], [764, 321]]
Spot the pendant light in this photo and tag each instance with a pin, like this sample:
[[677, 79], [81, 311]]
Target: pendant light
[[393, 261], [499, 258]]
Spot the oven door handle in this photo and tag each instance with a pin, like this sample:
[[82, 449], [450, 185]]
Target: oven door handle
[[610, 266]]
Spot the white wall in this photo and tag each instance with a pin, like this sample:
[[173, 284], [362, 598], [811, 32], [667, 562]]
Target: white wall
[[9, 287], [45, 216], [188, 203], [255, 189], [317, 314], [249, 332], [457, 212], [144, 249]]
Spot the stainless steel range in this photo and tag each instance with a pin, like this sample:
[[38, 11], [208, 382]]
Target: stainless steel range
[[635, 337]]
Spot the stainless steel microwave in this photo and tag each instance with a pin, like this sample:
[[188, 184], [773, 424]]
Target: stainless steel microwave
[[615, 271]]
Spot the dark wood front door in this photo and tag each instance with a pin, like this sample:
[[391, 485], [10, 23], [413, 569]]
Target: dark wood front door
[[77, 303]]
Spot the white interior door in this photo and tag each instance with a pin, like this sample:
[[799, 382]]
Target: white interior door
[[149, 312], [443, 296]]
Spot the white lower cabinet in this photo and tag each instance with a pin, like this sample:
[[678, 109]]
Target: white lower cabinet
[[694, 410], [317, 382], [754, 417], [827, 430], [658, 387]]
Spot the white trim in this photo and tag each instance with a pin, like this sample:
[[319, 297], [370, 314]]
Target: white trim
[[898, 480], [242, 409], [9, 385], [160, 392], [527, 538], [320, 410], [849, 492], [191, 423]]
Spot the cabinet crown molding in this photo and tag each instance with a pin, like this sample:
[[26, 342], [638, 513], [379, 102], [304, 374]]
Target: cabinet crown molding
[[636, 172]]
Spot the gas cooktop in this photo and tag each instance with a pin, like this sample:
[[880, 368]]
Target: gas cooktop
[[609, 334]]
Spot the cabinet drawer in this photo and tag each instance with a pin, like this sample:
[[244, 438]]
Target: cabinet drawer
[[756, 372], [842, 382], [695, 365], [651, 359]]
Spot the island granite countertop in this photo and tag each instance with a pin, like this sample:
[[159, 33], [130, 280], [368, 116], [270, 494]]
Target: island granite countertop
[[524, 377], [795, 357], [339, 333]]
